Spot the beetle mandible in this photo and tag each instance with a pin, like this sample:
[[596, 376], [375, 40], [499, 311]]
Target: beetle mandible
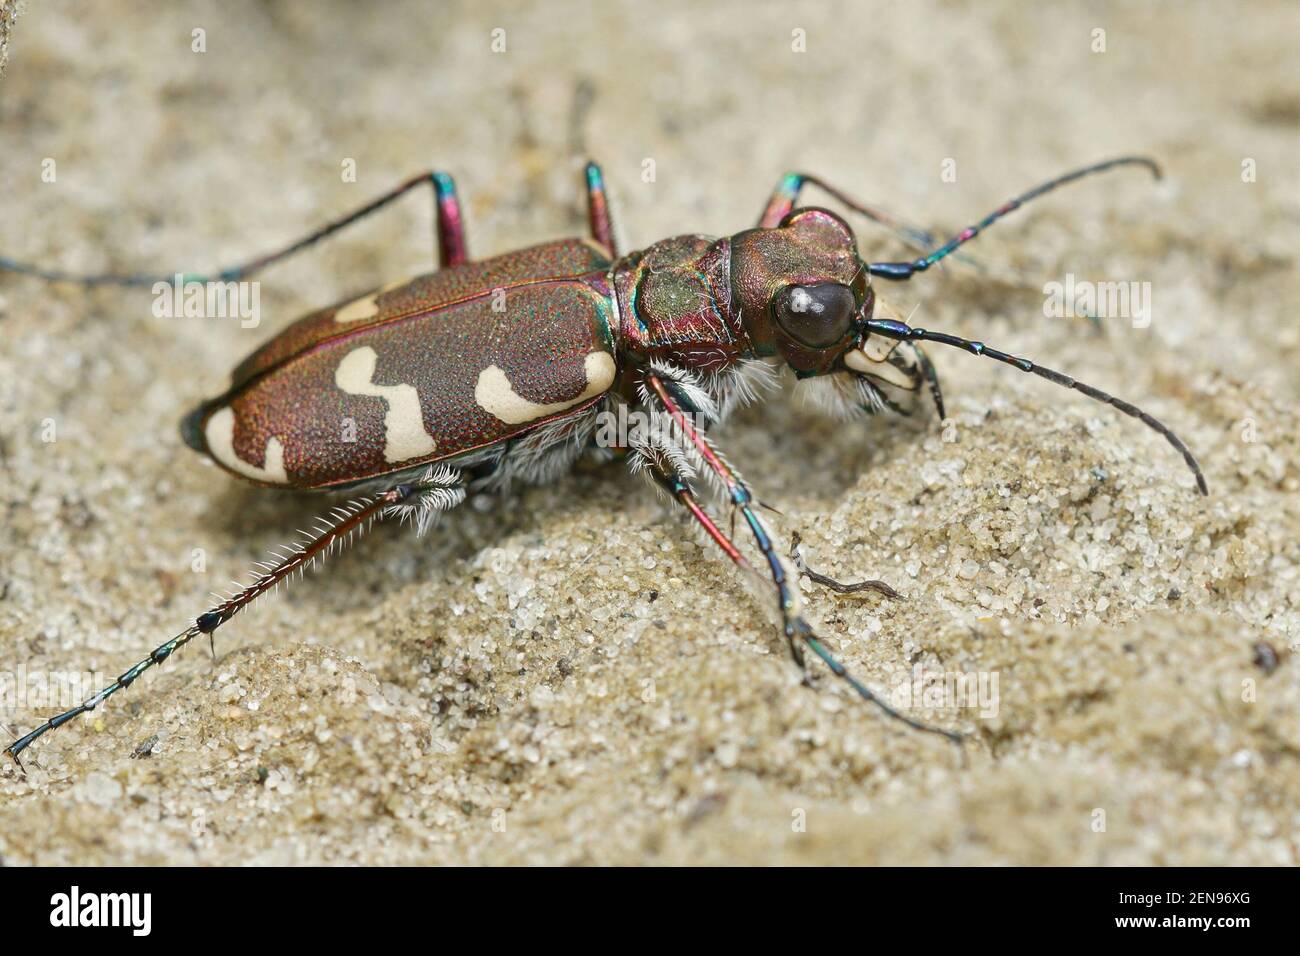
[[489, 373]]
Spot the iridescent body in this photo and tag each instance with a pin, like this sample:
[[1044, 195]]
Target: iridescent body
[[535, 317], [486, 373], [436, 368]]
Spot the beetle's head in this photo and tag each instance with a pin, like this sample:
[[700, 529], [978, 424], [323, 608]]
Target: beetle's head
[[805, 293]]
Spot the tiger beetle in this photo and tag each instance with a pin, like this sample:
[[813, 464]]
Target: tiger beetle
[[491, 373]]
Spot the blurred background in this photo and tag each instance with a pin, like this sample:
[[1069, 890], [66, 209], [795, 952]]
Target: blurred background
[[190, 135]]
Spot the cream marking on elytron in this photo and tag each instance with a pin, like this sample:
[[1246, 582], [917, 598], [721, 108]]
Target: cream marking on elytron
[[496, 396], [404, 433], [220, 435], [366, 307], [797, 275]]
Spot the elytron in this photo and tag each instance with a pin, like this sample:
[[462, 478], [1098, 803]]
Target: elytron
[[495, 372]]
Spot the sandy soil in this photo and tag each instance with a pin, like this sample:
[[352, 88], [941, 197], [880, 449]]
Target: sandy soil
[[568, 675]]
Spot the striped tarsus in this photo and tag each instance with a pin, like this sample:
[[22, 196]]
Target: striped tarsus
[[797, 630], [344, 521]]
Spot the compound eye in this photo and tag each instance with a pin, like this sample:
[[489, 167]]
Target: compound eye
[[818, 315]]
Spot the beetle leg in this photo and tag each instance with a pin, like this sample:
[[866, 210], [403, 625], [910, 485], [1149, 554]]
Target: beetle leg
[[452, 250], [801, 565], [786, 195], [436, 489], [450, 233], [678, 486], [449, 229], [795, 628], [598, 211]]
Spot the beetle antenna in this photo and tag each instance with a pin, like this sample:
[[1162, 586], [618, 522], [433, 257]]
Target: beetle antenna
[[901, 330], [345, 521], [900, 271]]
